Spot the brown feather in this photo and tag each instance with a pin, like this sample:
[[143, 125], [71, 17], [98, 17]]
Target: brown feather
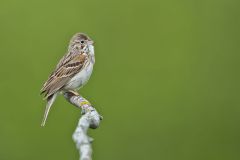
[[67, 68]]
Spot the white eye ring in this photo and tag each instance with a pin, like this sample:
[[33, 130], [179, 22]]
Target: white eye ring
[[81, 41]]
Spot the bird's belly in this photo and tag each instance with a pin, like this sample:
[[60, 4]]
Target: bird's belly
[[80, 78]]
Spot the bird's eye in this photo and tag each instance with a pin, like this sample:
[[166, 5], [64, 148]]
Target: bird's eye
[[81, 42]]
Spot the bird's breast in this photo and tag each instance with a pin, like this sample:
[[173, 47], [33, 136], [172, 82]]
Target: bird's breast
[[80, 78]]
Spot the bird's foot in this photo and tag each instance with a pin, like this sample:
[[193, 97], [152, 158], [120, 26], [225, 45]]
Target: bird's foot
[[74, 92]]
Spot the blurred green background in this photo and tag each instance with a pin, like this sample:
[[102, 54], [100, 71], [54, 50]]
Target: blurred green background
[[166, 78]]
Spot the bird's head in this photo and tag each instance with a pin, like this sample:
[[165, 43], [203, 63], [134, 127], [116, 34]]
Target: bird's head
[[80, 42]]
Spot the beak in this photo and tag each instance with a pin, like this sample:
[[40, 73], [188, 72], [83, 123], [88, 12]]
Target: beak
[[90, 42]]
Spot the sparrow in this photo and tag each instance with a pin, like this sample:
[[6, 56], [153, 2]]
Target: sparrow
[[72, 71]]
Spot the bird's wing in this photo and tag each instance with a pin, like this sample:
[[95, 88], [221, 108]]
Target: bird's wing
[[67, 68]]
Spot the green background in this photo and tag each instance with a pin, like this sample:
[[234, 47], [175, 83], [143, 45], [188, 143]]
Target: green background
[[166, 78]]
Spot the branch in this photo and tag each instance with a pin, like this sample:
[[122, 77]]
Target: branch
[[89, 119]]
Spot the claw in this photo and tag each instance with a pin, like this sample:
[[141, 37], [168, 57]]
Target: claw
[[74, 92]]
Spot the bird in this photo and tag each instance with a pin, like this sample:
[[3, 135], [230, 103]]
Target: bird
[[72, 71]]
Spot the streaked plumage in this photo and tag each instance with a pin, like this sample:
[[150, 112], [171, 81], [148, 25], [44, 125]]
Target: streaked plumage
[[72, 71]]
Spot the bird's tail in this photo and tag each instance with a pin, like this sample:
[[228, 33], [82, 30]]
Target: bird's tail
[[50, 101]]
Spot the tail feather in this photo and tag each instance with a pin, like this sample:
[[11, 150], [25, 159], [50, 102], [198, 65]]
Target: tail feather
[[50, 101]]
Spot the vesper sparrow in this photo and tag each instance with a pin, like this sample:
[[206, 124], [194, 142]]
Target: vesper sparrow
[[72, 71]]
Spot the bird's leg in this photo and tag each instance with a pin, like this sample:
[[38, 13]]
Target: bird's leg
[[74, 92]]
